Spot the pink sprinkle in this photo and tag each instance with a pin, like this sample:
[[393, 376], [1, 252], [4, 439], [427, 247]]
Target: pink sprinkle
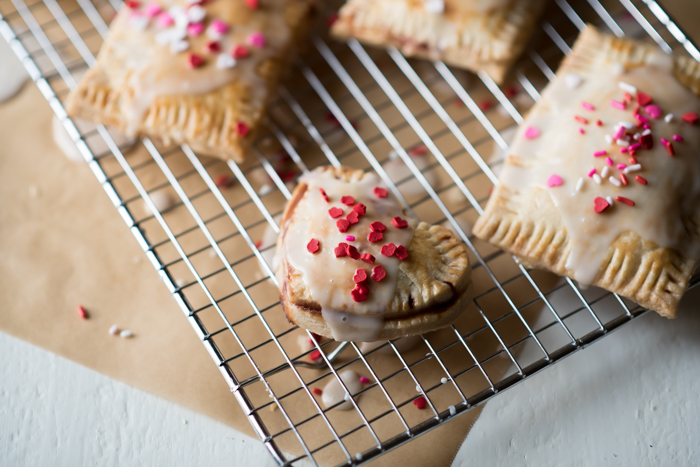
[[587, 106], [532, 132], [619, 133], [350, 238], [678, 138], [256, 39], [635, 146], [642, 119], [621, 166], [602, 152], [664, 141], [608, 161], [218, 26], [646, 126], [364, 380], [152, 9], [554, 180], [592, 172], [195, 29], [623, 149], [653, 110], [164, 20], [582, 131], [618, 105]]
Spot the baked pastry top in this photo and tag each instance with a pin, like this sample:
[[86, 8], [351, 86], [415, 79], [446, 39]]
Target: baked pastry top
[[198, 73], [350, 267], [477, 35], [602, 183]]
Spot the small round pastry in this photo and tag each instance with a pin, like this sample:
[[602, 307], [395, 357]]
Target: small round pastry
[[352, 268]]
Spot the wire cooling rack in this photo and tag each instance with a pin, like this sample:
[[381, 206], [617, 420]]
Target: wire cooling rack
[[434, 134]]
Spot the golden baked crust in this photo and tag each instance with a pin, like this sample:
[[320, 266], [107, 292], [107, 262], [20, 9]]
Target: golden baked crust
[[433, 288], [467, 34], [207, 120], [527, 222]]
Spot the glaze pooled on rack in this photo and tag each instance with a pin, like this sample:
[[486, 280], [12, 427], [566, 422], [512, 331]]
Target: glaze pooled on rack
[[343, 250]]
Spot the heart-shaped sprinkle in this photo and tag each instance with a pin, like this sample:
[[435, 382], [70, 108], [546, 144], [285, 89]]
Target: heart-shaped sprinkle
[[367, 258], [360, 276], [343, 225], [164, 20], [654, 111], [380, 192], [643, 99], [360, 293], [239, 51], [377, 226], [352, 252], [388, 250], [360, 208], [195, 29], [256, 39], [401, 252], [347, 200], [375, 237], [378, 273], [242, 128], [690, 117], [554, 180], [152, 9], [600, 205], [399, 223], [313, 246], [335, 212], [225, 61], [212, 47], [531, 132], [353, 217], [420, 402], [341, 250], [219, 26], [194, 61]]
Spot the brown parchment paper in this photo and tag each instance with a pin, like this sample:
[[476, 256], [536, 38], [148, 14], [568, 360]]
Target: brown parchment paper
[[63, 244]]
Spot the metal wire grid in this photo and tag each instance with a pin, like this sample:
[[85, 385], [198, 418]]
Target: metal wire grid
[[345, 104]]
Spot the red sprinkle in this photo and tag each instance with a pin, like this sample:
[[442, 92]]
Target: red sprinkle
[[315, 355], [418, 151], [669, 148], [633, 160], [643, 99], [253, 4], [343, 225], [194, 61], [239, 51], [324, 195], [341, 250], [133, 4], [81, 312], [347, 200], [375, 237], [485, 105], [353, 217], [401, 252], [420, 402], [377, 227], [212, 47], [367, 258], [335, 212], [352, 252], [258, 244], [623, 179], [388, 250], [360, 208], [511, 91], [600, 204], [379, 192], [399, 223], [332, 19], [360, 276], [581, 119], [223, 181], [317, 391], [599, 123], [313, 246], [647, 141], [641, 179], [242, 129], [360, 293], [624, 200], [690, 117], [378, 273]]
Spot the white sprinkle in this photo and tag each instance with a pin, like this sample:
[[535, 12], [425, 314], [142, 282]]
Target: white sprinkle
[[668, 118], [213, 34], [614, 181], [443, 380], [609, 200], [169, 36], [572, 81], [179, 46], [579, 184], [632, 168], [161, 200], [646, 132], [265, 189], [114, 329], [608, 139], [196, 13], [452, 410], [212, 253], [358, 456], [393, 154], [224, 61], [604, 171], [139, 22], [434, 6], [418, 389], [627, 125], [192, 2], [126, 334], [597, 179], [346, 397], [179, 14], [636, 136], [627, 87], [622, 142], [33, 191], [179, 282]]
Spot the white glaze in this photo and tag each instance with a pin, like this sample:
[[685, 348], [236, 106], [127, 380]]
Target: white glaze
[[12, 73], [330, 279], [162, 200], [64, 141], [334, 393], [673, 192], [403, 344]]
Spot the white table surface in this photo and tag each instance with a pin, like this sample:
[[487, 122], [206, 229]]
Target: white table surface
[[630, 399]]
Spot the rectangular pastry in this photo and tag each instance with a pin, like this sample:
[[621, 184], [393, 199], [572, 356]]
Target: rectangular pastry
[[351, 268], [196, 73], [477, 35], [602, 183]]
